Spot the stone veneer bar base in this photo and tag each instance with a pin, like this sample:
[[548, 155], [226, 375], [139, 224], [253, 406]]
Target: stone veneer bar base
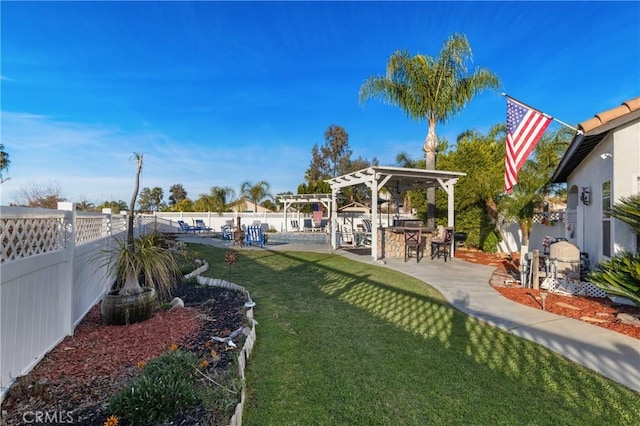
[[391, 243]]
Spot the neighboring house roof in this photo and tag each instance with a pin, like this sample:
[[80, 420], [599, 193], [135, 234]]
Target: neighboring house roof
[[244, 205], [594, 131]]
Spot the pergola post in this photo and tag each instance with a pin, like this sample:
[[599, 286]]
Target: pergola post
[[334, 218], [448, 187], [374, 217]]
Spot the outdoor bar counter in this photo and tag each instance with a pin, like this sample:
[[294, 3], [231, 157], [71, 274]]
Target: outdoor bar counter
[[391, 241]]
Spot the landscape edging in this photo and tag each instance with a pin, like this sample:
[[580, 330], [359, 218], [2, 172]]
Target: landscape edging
[[245, 352]]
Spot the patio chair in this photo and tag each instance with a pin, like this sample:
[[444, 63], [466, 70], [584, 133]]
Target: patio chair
[[201, 227], [254, 235], [295, 225], [226, 232], [366, 224], [441, 244], [412, 242], [308, 225], [320, 226], [347, 236], [186, 228]]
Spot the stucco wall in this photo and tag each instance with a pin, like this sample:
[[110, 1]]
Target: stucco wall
[[626, 173], [591, 173], [622, 168]]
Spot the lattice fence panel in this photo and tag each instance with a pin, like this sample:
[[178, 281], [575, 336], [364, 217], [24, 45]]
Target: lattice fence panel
[[91, 228], [548, 217], [118, 224], [28, 237]]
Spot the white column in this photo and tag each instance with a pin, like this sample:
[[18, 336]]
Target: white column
[[451, 214], [374, 218], [334, 218]]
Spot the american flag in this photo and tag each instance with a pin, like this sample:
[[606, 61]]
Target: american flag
[[525, 127]]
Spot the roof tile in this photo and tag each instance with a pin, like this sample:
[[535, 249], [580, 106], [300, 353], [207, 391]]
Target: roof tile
[[610, 114]]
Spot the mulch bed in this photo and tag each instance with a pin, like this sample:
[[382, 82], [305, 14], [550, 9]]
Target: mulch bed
[[77, 378], [598, 311]]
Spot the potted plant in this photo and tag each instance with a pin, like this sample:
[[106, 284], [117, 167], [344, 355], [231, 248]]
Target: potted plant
[[143, 270]]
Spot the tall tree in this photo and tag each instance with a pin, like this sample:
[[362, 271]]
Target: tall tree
[[481, 157], [431, 89], [37, 195], [255, 193], [150, 199], [336, 150], [534, 180], [4, 161], [178, 193], [157, 194], [145, 204], [115, 206], [333, 158]]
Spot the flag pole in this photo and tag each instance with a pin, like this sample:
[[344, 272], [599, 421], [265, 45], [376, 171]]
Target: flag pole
[[553, 118]]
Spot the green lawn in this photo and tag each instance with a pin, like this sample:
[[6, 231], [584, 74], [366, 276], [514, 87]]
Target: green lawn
[[348, 343]]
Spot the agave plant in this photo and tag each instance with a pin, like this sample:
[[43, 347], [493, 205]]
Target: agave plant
[[620, 276]]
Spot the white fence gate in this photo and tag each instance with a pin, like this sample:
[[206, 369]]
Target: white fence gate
[[49, 279]]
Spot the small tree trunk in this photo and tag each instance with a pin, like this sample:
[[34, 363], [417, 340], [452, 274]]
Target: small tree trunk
[[430, 148], [133, 203], [131, 285]]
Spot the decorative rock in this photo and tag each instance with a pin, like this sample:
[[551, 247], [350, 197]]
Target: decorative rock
[[592, 319], [629, 319], [177, 303], [568, 306]]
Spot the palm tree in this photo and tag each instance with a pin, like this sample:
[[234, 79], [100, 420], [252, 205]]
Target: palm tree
[[217, 199], [255, 193], [4, 162], [431, 89], [85, 206]]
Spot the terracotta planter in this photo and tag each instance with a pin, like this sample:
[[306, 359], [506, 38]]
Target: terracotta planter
[[128, 309]]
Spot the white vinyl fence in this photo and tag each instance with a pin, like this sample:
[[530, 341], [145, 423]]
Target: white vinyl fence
[[49, 278]]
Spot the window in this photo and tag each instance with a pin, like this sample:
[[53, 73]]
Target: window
[[606, 219]]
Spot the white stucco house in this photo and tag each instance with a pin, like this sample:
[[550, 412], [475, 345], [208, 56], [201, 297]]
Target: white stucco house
[[601, 166]]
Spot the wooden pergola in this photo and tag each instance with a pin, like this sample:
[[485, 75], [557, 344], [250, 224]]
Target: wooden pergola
[[396, 180]]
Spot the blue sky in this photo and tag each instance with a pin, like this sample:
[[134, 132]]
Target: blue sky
[[216, 93]]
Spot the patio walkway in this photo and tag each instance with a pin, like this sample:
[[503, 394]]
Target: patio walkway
[[466, 286]]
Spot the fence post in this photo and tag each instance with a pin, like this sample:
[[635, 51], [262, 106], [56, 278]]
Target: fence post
[[68, 283]]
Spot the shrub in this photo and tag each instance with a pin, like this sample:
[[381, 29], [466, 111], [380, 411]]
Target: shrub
[[225, 395], [165, 387], [187, 261], [620, 276]]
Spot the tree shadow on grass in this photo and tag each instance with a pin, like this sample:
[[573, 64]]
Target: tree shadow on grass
[[325, 286]]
